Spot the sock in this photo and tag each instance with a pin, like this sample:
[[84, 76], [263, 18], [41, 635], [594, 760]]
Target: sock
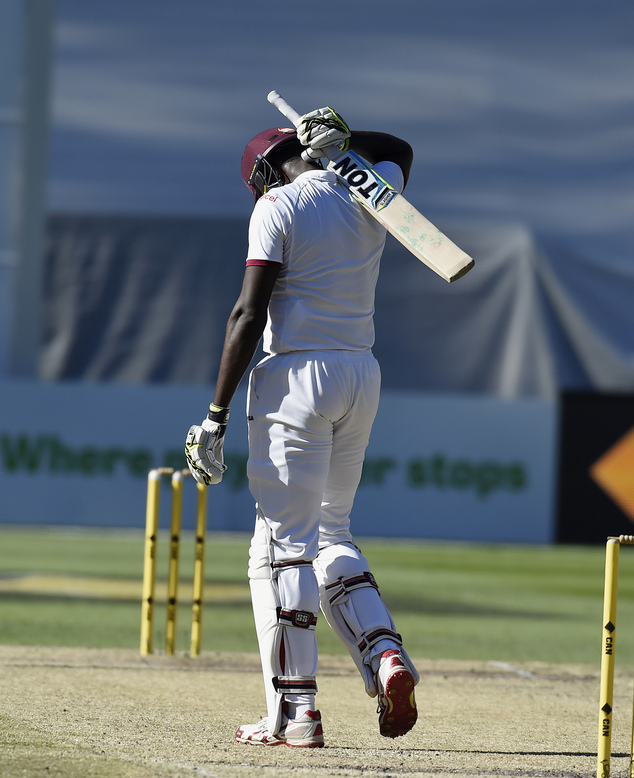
[[297, 704], [383, 646]]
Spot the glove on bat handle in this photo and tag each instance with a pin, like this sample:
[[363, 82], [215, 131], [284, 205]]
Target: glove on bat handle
[[283, 107], [291, 114]]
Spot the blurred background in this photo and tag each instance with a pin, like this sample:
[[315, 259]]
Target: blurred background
[[508, 402]]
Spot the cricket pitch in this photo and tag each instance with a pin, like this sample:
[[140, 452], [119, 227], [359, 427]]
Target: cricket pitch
[[84, 713]]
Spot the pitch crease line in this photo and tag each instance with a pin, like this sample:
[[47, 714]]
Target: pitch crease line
[[513, 669]]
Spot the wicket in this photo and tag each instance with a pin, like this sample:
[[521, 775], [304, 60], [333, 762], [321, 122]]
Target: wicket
[[606, 689], [149, 562]]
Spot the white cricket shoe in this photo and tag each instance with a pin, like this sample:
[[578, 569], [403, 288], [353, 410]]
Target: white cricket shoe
[[304, 732], [397, 705]]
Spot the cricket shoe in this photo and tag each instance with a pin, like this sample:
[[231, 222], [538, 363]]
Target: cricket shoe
[[304, 732], [397, 705]]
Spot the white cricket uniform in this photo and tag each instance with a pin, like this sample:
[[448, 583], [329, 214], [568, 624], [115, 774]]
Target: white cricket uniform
[[313, 401], [311, 406]]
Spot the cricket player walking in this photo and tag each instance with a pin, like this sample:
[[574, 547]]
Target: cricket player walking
[[308, 290]]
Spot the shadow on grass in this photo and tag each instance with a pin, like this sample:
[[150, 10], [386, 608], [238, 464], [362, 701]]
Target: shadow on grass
[[43, 598], [408, 605], [429, 607]]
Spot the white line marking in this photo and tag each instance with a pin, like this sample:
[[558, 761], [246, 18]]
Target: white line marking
[[512, 669]]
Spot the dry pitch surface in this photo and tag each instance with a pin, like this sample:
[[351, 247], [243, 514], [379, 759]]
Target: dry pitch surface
[[81, 713]]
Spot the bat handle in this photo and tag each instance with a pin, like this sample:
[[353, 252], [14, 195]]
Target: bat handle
[[291, 114], [283, 107]]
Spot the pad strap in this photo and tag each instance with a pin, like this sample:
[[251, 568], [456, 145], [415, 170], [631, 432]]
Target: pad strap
[[291, 563], [295, 684], [370, 639], [343, 586], [294, 618]]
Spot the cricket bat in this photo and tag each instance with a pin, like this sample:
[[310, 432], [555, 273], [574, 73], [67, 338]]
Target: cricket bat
[[426, 242]]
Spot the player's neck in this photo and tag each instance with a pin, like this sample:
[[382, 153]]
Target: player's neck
[[296, 166]]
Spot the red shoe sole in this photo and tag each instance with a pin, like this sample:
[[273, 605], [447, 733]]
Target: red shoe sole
[[275, 743], [254, 742], [400, 713]]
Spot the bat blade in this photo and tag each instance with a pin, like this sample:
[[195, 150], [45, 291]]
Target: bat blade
[[425, 241], [399, 217]]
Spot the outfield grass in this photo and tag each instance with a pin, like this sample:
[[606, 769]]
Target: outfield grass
[[449, 600]]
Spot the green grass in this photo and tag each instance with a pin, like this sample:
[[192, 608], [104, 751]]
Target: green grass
[[504, 603]]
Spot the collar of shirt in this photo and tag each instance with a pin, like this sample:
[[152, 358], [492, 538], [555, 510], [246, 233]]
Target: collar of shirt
[[320, 175]]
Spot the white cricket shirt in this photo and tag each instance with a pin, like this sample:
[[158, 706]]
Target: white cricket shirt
[[329, 250]]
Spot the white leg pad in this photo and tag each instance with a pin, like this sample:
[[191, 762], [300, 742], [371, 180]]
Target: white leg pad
[[285, 603], [351, 602]]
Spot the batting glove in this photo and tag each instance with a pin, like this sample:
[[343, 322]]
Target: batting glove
[[321, 128], [204, 444]]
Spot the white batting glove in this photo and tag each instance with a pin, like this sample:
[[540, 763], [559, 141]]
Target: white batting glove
[[204, 444], [320, 129]]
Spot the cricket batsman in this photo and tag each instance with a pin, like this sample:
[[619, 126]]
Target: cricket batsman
[[308, 290]]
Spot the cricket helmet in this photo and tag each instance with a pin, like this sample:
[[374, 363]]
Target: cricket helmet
[[258, 174]]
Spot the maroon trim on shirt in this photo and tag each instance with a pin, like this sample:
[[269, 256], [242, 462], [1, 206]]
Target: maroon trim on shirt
[[261, 263]]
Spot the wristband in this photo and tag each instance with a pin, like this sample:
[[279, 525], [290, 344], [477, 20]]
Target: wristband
[[218, 414]]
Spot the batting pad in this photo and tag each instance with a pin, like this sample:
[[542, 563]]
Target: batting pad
[[285, 606], [351, 602]]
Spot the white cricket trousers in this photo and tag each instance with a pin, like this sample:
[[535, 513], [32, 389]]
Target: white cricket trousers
[[310, 416]]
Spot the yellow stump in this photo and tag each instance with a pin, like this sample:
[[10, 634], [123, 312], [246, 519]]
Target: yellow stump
[[631, 773], [606, 689], [149, 563], [172, 579], [149, 560], [199, 569]]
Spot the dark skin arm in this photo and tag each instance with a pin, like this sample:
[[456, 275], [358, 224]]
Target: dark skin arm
[[244, 329], [381, 147], [372, 146]]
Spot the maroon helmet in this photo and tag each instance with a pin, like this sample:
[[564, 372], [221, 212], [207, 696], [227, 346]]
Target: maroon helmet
[[257, 173]]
